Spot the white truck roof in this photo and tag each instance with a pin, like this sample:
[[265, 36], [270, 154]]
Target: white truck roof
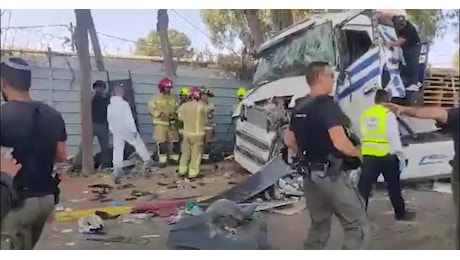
[[335, 18]]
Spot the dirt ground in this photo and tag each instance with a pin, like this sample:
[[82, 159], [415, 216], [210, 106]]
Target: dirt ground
[[433, 228]]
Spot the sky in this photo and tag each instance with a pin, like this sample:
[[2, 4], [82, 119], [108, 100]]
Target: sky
[[132, 24]]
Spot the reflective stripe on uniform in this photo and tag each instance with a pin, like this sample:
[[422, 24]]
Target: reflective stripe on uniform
[[198, 123], [208, 128], [193, 134], [182, 170], [163, 158], [193, 173], [174, 157], [376, 146], [374, 133], [159, 122]]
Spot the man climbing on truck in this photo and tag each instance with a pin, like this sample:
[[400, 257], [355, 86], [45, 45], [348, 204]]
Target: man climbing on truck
[[409, 41]]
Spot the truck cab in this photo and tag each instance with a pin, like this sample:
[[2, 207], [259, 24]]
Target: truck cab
[[353, 43]]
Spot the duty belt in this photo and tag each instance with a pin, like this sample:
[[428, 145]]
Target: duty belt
[[322, 170]]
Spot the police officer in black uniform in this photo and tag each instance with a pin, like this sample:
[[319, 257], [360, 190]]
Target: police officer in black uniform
[[318, 135]]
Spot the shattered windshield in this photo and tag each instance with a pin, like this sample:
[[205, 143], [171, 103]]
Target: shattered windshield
[[292, 56]]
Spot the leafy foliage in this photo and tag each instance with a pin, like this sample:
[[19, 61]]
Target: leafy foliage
[[241, 65], [151, 46], [225, 25]]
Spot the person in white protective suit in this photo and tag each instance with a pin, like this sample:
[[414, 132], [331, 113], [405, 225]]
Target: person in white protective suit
[[123, 129]]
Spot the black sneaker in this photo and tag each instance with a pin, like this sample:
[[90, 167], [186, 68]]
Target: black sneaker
[[408, 216]]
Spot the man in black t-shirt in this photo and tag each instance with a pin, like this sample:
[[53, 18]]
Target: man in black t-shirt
[[317, 133], [449, 120], [99, 106], [37, 134], [409, 41]]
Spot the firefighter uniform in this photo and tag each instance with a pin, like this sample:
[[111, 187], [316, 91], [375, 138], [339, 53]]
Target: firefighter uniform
[[209, 125], [193, 114], [183, 97], [163, 109]]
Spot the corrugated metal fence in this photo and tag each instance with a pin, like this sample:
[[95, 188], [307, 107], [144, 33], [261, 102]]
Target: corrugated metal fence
[[59, 87]]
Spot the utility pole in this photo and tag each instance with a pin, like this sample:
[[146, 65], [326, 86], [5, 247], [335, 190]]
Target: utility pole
[[81, 38], [95, 41]]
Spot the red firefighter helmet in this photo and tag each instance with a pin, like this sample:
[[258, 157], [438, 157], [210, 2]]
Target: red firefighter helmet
[[195, 93], [164, 84]]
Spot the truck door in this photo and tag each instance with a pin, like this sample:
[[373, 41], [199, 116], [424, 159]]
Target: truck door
[[360, 78]]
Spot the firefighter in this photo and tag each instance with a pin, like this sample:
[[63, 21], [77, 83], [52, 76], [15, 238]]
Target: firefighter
[[209, 126], [183, 95], [241, 93], [193, 114], [163, 109]]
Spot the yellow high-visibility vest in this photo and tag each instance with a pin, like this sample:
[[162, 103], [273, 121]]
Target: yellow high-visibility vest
[[374, 132]]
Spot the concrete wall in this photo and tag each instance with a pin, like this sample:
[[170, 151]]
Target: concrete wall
[[59, 87]]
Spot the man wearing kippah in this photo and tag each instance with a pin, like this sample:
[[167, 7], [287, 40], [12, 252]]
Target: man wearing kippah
[[36, 134]]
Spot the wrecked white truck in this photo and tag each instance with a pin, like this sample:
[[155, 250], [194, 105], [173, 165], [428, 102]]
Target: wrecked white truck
[[354, 44]]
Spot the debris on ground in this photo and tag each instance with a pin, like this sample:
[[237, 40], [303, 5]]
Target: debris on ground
[[138, 218], [126, 186], [224, 213], [442, 187], [291, 209], [228, 175], [175, 218], [60, 208], [116, 203], [76, 200], [159, 204], [150, 236], [269, 205], [118, 239], [91, 224], [224, 225], [67, 230], [104, 215], [192, 209]]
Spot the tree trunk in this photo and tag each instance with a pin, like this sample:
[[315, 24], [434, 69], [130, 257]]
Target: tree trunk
[[81, 38], [281, 18], [162, 29], [254, 27], [95, 42]]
